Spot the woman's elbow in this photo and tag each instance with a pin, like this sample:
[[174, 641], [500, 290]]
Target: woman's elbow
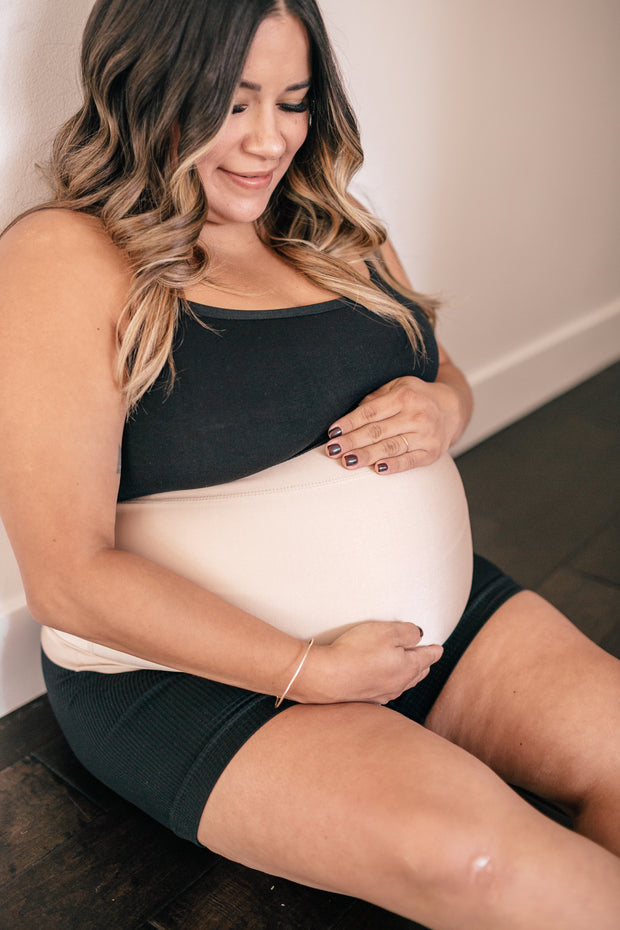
[[56, 592], [47, 599]]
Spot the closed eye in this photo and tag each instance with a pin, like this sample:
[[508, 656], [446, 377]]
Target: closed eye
[[286, 107], [294, 107]]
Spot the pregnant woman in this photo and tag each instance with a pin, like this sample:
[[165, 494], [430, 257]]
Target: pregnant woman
[[225, 475]]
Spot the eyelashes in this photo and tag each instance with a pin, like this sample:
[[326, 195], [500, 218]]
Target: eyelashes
[[295, 107], [286, 107]]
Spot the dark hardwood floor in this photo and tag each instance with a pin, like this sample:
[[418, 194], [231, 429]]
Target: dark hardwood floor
[[545, 504]]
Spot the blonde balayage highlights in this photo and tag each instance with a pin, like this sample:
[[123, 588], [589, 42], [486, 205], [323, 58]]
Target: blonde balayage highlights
[[158, 79]]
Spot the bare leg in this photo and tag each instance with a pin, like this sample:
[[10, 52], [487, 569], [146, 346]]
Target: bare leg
[[540, 704], [359, 800]]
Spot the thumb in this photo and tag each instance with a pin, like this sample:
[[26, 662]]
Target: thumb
[[427, 655]]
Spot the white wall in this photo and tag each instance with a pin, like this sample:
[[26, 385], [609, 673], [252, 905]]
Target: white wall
[[39, 41], [492, 137]]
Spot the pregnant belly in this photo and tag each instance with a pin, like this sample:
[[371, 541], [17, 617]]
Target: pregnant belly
[[312, 548]]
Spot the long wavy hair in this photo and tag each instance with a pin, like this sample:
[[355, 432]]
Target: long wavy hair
[[158, 79]]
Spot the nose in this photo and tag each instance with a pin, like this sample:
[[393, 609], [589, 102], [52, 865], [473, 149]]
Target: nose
[[265, 137]]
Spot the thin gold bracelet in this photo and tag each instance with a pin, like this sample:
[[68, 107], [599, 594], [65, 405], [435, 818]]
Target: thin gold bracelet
[[297, 671]]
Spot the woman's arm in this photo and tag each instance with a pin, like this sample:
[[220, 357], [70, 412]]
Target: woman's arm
[[62, 285], [453, 377], [407, 422]]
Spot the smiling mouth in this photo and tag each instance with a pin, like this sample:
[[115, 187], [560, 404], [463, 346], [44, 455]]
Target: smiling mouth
[[250, 181]]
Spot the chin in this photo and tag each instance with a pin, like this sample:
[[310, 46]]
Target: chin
[[239, 218], [242, 212]]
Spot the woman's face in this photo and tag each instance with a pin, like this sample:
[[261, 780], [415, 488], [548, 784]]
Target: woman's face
[[267, 125]]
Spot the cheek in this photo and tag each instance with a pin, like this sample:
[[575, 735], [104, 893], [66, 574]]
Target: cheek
[[297, 139], [204, 167], [213, 159]]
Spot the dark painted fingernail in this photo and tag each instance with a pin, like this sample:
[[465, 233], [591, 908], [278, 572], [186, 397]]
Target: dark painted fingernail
[[335, 432], [421, 631], [334, 449], [381, 467], [350, 460]]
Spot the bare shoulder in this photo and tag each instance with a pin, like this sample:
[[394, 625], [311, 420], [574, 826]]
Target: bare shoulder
[[54, 231], [56, 258]]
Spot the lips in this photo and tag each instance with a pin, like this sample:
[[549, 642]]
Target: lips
[[249, 181]]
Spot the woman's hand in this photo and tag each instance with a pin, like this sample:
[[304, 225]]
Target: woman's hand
[[372, 662], [406, 423]]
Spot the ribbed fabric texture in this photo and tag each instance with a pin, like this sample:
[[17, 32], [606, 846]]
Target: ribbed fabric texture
[[159, 739], [162, 739]]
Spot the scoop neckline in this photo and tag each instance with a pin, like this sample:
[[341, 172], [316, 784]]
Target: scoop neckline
[[303, 310], [224, 313]]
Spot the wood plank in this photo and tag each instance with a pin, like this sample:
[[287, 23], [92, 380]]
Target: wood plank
[[232, 897], [116, 873], [600, 555], [596, 399], [37, 813], [363, 916], [25, 729], [59, 759], [546, 482], [594, 606]]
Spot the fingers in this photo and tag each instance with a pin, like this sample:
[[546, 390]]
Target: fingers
[[403, 633], [419, 661], [381, 446], [394, 651], [367, 417], [421, 658], [428, 655], [396, 428], [414, 459], [376, 661]]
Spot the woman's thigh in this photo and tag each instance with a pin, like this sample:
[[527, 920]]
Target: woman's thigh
[[538, 702], [359, 800]]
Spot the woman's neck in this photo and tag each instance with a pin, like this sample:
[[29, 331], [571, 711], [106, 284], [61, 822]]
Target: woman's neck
[[246, 274]]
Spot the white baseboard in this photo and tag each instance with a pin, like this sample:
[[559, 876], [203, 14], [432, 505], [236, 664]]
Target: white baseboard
[[20, 663], [515, 384]]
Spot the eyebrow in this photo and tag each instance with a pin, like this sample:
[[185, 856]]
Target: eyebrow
[[249, 85]]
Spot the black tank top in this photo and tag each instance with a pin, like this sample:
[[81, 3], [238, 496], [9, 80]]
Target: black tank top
[[261, 389]]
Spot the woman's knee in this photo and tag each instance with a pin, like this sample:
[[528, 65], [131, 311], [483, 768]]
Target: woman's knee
[[390, 794], [451, 857], [475, 862]]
